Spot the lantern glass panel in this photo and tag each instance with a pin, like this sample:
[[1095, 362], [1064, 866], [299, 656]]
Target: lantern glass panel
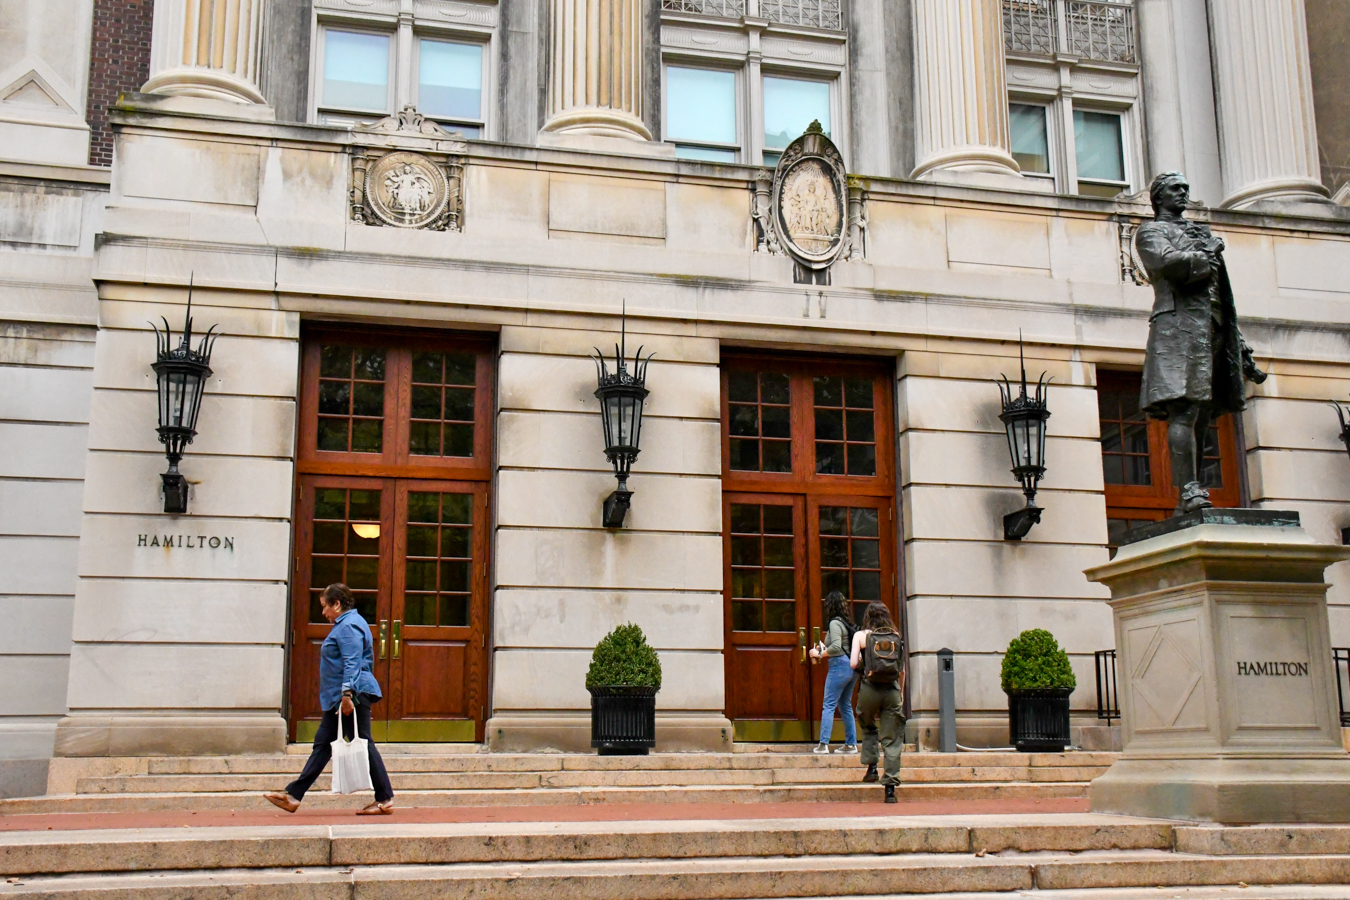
[[614, 421], [177, 398]]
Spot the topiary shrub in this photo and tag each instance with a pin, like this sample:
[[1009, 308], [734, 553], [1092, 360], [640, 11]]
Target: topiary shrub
[[623, 658], [1035, 662]]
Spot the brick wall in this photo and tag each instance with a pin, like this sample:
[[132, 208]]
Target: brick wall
[[119, 60]]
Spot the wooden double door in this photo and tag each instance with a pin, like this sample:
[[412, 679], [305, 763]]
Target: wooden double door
[[393, 502], [808, 508]]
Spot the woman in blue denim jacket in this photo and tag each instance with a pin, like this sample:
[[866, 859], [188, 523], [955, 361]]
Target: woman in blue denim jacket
[[347, 683]]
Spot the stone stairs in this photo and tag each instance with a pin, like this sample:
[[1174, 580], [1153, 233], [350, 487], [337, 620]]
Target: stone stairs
[[1030, 857], [429, 777]]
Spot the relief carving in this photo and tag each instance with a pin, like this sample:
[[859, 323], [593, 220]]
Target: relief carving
[[810, 212], [408, 188]]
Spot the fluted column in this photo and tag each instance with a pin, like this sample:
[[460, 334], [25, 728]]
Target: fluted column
[[961, 92], [595, 69], [1267, 131], [208, 48]]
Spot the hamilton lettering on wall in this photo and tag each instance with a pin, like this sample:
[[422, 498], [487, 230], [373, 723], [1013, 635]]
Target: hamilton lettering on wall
[[186, 541], [1293, 669]]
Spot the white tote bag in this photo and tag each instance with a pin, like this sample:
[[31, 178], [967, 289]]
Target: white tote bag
[[351, 763]]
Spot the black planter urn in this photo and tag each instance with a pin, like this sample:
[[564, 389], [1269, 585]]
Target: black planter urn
[[623, 720], [1038, 721]]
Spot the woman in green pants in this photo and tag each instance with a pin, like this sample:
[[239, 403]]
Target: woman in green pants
[[881, 704]]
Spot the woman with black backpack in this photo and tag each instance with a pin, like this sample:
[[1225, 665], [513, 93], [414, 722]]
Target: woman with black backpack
[[878, 655], [839, 676]]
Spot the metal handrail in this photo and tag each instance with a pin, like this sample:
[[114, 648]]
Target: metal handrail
[[1341, 655], [1108, 700]]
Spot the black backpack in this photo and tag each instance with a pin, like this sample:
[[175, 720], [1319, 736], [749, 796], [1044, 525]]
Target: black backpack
[[849, 631], [883, 659]]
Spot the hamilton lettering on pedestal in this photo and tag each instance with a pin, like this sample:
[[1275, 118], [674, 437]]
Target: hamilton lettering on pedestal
[[1296, 669], [186, 541]]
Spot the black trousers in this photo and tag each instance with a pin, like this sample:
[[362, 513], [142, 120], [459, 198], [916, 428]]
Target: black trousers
[[323, 752]]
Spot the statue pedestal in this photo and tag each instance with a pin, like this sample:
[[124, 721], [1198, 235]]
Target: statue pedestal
[[1227, 685]]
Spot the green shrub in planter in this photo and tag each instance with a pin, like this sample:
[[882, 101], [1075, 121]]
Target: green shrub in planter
[[623, 680], [1038, 681], [1035, 662], [624, 659]]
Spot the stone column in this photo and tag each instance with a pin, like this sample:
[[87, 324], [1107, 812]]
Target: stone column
[[961, 93], [208, 48], [595, 69], [1267, 132]]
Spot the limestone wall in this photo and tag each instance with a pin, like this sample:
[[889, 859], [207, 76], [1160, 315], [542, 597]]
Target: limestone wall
[[553, 243]]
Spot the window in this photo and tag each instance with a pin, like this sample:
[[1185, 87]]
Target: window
[[369, 66], [1030, 141], [1073, 93], [1101, 159], [701, 113], [725, 104], [355, 74], [450, 84], [790, 105], [1136, 464]]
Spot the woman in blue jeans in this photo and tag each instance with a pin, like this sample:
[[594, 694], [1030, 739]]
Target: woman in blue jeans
[[839, 678], [347, 687]]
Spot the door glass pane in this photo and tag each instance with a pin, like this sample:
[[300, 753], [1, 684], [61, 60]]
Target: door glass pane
[[790, 105], [1124, 429], [845, 426], [1030, 146], [356, 70], [1097, 138], [443, 403], [438, 563], [351, 399], [763, 568], [450, 80], [701, 107], [1211, 464], [760, 421], [345, 548], [850, 554]]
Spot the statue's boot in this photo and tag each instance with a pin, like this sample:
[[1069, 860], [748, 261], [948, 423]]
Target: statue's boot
[[1193, 497]]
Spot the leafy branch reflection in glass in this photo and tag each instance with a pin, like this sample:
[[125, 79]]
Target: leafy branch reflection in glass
[[180, 376]]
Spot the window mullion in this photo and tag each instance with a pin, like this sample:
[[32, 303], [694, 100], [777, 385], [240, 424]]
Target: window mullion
[[403, 78], [1069, 164]]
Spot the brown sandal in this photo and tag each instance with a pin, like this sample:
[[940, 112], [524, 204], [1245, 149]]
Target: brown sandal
[[284, 801], [377, 809]]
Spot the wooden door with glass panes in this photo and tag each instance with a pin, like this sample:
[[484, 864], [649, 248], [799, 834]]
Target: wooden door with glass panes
[[1137, 466], [808, 507], [393, 501]]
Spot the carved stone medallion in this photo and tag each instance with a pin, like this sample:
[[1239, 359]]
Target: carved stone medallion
[[810, 200], [406, 190]]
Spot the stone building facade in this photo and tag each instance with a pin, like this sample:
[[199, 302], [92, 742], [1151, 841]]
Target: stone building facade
[[402, 389]]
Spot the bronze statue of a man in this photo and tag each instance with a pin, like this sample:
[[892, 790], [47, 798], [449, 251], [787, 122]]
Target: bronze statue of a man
[[1196, 357]]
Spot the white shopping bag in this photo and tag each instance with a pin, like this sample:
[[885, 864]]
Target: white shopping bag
[[351, 763]]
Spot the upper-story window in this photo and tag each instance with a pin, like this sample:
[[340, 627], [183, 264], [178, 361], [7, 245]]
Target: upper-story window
[[741, 79], [1073, 90], [368, 66]]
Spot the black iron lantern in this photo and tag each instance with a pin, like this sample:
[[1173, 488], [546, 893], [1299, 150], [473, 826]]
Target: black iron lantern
[[1024, 418], [1344, 415], [621, 396], [181, 373]]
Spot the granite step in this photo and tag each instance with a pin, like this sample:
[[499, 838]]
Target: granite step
[[391, 843], [711, 878], [781, 793], [425, 781]]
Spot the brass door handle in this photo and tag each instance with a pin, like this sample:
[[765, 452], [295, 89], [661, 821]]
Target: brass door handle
[[801, 643], [384, 636], [398, 636]]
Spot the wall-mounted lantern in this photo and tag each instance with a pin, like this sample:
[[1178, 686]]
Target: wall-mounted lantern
[[181, 373], [621, 396], [1024, 420]]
